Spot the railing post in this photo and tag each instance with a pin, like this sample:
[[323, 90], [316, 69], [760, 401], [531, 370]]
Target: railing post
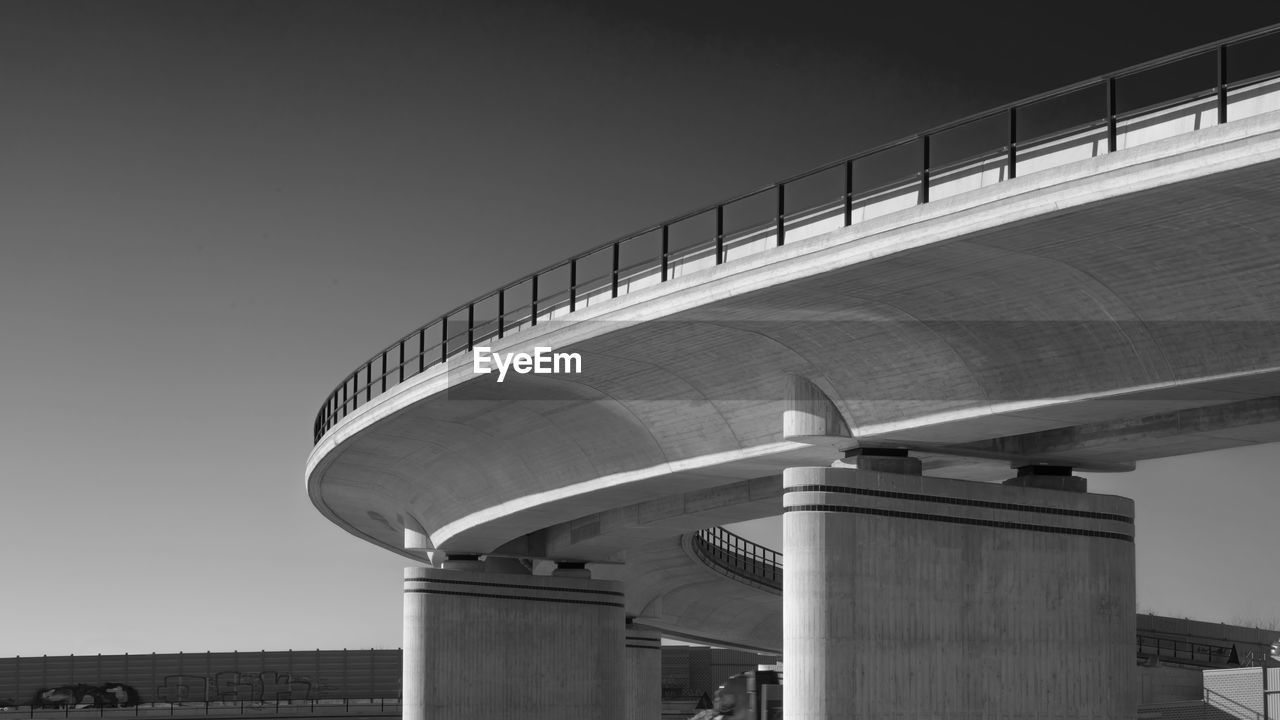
[[573, 284], [848, 193], [719, 234], [665, 247], [401, 361], [502, 311], [368, 380], [924, 169], [782, 213], [1013, 142], [444, 339], [384, 372], [1222, 84], [1111, 114], [422, 349], [615, 269], [533, 303], [471, 325]]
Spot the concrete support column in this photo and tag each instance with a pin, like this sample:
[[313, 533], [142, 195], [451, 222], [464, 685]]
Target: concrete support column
[[497, 646], [644, 673], [415, 644], [909, 596]]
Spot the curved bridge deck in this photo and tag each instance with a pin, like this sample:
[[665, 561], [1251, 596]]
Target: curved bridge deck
[[1090, 291]]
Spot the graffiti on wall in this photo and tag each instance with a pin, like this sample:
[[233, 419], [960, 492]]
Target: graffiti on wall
[[81, 696], [233, 686]]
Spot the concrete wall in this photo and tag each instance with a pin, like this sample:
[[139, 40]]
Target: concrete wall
[[643, 673], [1164, 684], [944, 598], [497, 646]]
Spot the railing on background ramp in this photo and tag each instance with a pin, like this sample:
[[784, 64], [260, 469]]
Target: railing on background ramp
[[738, 557], [1184, 651]]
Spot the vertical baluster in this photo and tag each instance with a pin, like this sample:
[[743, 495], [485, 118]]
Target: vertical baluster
[[533, 304], [848, 193], [502, 311], [573, 284], [1013, 143], [1222, 84], [1111, 114], [616, 251], [924, 169], [781, 220], [719, 234], [665, 249]]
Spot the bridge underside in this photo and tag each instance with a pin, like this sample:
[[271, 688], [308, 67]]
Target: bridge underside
[[1120, 312], [1089, 316]]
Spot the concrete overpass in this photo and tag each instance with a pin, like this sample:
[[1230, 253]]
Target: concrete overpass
[[1080, 300]]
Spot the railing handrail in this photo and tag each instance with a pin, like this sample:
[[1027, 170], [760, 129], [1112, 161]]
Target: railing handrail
[[923, 172], [739, 556]]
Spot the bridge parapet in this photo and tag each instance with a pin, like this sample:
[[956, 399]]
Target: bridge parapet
[[1238, 78]]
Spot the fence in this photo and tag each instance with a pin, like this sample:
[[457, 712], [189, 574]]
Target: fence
[[229, 677], [738, 557]]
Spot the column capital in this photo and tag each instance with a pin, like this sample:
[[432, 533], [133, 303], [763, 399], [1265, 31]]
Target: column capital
[[887, 460]]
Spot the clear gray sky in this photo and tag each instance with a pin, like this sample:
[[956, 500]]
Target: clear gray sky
[[210, 212]]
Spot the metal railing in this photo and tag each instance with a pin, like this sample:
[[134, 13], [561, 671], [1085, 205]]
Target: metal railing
[[991, 146], [738, 557], [1183, 651]]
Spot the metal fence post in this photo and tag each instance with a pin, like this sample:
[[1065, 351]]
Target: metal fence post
[[1013, 143], [782, 213], [1111, 114], [924, 169], [616, 251], [719, 234], [1222, 84], [848, 193], [665, 248]]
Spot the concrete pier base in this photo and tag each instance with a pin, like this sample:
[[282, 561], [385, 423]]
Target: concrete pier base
[[497, 646], [644, 673], [916, 597]]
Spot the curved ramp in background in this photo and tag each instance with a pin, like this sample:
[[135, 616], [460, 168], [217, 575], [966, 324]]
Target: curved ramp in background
[[697, 588]]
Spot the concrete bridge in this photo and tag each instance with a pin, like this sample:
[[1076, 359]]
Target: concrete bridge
[[1078, 300]]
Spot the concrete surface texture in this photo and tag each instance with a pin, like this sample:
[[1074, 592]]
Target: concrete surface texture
[[910, 596], [1099, 309], [643, 673], [669, 588], [1102, 312], [487, 646]]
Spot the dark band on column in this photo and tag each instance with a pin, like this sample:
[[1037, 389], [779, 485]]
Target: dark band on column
[[958, 520], [967, 502]]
